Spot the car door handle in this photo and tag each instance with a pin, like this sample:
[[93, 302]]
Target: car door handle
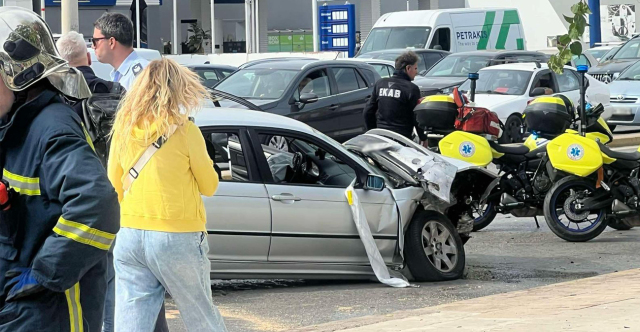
[[285, 197], [366, 99], [333, 107]]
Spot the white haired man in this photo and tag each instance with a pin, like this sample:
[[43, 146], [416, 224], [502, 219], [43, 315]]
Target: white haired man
[[73, 48]]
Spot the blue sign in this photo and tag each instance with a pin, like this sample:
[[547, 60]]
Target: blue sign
[[338, 28], [56, 3]]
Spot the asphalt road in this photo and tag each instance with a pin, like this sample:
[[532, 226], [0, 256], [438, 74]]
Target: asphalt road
[[511, 254]]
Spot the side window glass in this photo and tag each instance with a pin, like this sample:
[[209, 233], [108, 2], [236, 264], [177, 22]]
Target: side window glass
[[567, 81], [225, 73], [544, 81], [361, 83], [209, 78], [316, 82], [305, 163], [441, 39], [346, 79], [225, 149]]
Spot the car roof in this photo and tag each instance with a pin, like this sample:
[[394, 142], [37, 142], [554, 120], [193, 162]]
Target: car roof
[[221, 116], [496, 53], [374, 61], [402, 50], [211, 66], [300, 64], [524, 66]]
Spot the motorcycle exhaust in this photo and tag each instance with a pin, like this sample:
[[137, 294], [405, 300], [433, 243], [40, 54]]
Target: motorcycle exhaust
[[509, 201]]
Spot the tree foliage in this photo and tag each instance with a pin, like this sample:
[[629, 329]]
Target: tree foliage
[[570, 43]]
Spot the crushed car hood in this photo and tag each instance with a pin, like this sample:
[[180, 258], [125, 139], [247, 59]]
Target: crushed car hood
[[414, 166]]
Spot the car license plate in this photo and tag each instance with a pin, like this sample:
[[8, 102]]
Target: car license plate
[[622, 111]]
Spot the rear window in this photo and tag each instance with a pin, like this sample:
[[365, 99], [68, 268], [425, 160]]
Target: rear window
[[458, 66], [630, 50], [397, 37]]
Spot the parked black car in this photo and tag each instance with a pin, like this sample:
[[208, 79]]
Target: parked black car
[[328, 95], [427, 57], [212, 74], [454, 69], [628, 54]]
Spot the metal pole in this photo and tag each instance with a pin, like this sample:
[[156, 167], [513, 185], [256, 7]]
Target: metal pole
[[138, 14], [407, 5], [69, 13], [247, 25], [594, 22], [257, 30], [42, 5], [213, 27], [582, 69], [316, 31], [175, 26]]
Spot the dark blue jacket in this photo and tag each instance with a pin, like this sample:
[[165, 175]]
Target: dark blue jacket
[[61, 224]]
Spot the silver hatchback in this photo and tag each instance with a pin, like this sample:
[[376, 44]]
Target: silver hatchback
[[625, 97]]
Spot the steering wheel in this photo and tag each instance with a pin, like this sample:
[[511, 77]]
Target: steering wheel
[[298, 164]]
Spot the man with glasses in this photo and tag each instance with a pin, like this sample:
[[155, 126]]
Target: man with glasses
[[113, 42]]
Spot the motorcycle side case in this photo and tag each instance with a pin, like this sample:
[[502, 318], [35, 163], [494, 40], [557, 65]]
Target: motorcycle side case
[[574, 154], [467, 147]]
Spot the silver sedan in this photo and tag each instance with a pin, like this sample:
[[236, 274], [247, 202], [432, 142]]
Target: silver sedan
[[282, 212]]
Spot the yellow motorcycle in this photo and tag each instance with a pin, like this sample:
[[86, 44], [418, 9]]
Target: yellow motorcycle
[[596, 187], [524, 180]]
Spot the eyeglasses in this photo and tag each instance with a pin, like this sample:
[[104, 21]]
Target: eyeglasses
[[94, 41]]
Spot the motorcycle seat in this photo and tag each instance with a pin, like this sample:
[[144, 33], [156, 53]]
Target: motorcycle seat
[[515, 148], [630, 156]]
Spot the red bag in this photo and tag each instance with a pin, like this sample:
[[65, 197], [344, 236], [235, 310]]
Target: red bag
[[479, 121]]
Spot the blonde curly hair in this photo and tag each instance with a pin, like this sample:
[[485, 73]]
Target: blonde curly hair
[[164, 94]]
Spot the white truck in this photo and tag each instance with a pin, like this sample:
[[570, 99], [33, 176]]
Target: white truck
[[454, 30]]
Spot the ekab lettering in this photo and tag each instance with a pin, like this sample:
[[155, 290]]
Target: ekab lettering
[[384, 92]]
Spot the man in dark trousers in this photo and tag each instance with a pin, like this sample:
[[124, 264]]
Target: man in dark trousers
[[394, 98]]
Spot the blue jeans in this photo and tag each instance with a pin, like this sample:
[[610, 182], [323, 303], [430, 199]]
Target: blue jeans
[[147, 264], [110, 302]]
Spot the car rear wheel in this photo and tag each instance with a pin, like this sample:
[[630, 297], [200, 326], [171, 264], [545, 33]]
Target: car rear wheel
[[433, 248]]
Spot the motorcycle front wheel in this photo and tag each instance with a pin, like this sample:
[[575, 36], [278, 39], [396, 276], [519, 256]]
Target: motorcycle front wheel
[[560, 205]]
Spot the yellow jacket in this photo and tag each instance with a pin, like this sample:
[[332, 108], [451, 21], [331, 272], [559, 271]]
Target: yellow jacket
[[166, 195]]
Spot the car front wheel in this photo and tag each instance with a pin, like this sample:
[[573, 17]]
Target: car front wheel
[[512, 130], [433, 248]]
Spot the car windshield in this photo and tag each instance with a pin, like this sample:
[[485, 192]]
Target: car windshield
[[258, 83], [630, 50], [500, 82], [398, 37], [631, 74], [458, 66], [381, 56], [610, 54]]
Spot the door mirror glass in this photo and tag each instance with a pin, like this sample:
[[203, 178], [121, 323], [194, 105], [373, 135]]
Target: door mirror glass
[[374, 182], [537, 92], [308, 98]]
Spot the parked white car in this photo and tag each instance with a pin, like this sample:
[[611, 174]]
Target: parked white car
[[507, 89]]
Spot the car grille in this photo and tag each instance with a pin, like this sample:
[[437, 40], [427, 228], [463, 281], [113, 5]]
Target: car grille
[[607, 78], [625, 100], [616, 117], [424, 93]]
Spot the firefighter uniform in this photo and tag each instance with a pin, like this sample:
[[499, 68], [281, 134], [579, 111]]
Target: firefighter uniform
[[55, 236]]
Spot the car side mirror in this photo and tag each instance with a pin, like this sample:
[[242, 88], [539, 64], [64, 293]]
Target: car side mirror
[[308, 98], [374, 182], [537, 92]]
